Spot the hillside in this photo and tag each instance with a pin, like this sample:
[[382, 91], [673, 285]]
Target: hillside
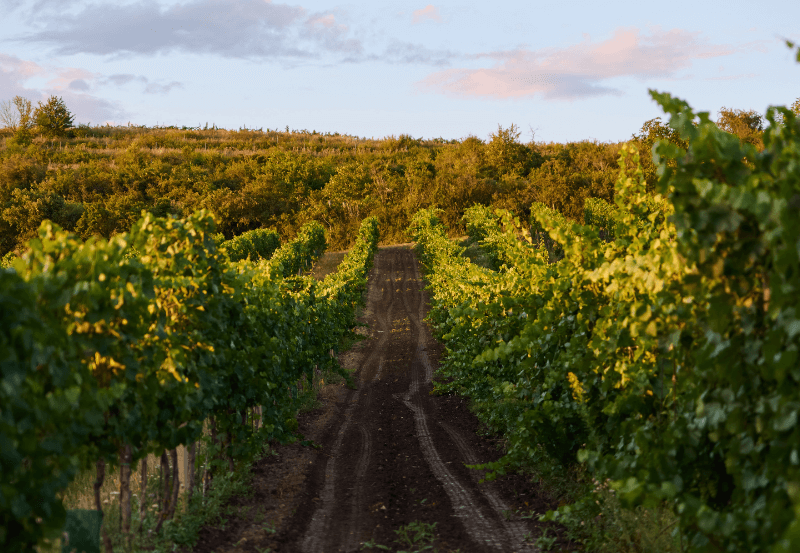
[[97, 180]]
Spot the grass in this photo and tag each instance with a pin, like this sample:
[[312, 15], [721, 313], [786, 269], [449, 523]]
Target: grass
[[413, 537], [590, 517], [607, 527], [190, 516], [326, 264]]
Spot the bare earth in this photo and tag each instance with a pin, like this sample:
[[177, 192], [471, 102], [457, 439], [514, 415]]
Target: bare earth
[[391, 453]]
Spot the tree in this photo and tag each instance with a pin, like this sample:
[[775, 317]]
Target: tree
[[15, 114], [19, 171], [796, 107], [53, 118], [748, 125], [505, 153], [652, 131], [8, 115]]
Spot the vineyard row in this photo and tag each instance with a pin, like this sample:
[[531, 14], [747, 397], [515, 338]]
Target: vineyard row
[[655, 345], [113, 349]]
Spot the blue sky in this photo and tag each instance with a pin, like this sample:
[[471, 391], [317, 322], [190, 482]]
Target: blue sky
[[561, 71]]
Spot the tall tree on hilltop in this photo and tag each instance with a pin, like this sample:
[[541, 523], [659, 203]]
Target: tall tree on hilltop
[[507, 155], [53, 118]]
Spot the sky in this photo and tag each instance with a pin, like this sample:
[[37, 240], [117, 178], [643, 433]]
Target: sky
[[561, 71]]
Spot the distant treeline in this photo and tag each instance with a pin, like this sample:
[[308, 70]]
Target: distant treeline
[[97, 180]]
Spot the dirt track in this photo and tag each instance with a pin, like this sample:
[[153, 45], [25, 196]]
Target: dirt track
[[391, 453]]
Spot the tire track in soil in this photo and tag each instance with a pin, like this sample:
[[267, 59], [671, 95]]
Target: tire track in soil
[[320, 528], [506, 535], [389, 460]]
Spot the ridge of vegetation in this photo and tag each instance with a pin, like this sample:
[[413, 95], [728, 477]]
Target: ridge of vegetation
[[96, 180]]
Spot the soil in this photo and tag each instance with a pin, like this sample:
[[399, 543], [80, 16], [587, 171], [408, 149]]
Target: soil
[[391, 454]]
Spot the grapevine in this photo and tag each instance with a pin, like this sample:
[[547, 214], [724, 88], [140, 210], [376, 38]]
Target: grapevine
[[107, 354], [656, 345]]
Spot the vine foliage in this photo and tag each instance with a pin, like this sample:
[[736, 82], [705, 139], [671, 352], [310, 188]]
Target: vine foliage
[[124, 347], [662, 355]]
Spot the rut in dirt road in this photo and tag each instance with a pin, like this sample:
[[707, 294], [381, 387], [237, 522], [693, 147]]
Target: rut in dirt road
[[390, 460]]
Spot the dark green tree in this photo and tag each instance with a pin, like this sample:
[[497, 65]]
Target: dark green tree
[[29, 207], [53, 118]]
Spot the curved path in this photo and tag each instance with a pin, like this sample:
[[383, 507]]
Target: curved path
[[391, 460]]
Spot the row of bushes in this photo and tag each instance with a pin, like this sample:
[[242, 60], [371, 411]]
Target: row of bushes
[[110, 355], [664, 360], [253, 244]]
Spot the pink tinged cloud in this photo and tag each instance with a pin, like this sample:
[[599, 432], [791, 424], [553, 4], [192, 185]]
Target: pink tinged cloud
[[323, 21], [579, 70], [21, 69], [428, 12], [14, 72]]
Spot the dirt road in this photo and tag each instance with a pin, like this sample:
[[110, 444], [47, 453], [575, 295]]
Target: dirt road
[[392, 456]]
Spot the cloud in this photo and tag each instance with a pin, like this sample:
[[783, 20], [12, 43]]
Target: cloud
[[64, 78], [245, 29], [121, 79], [333, 36], [256, 30], [733, 77], [406, 52], [87, 108], [14, 72], [577, 71], [35, 5], [78, 84], [428, 12], [154, 88], [18, 69]]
